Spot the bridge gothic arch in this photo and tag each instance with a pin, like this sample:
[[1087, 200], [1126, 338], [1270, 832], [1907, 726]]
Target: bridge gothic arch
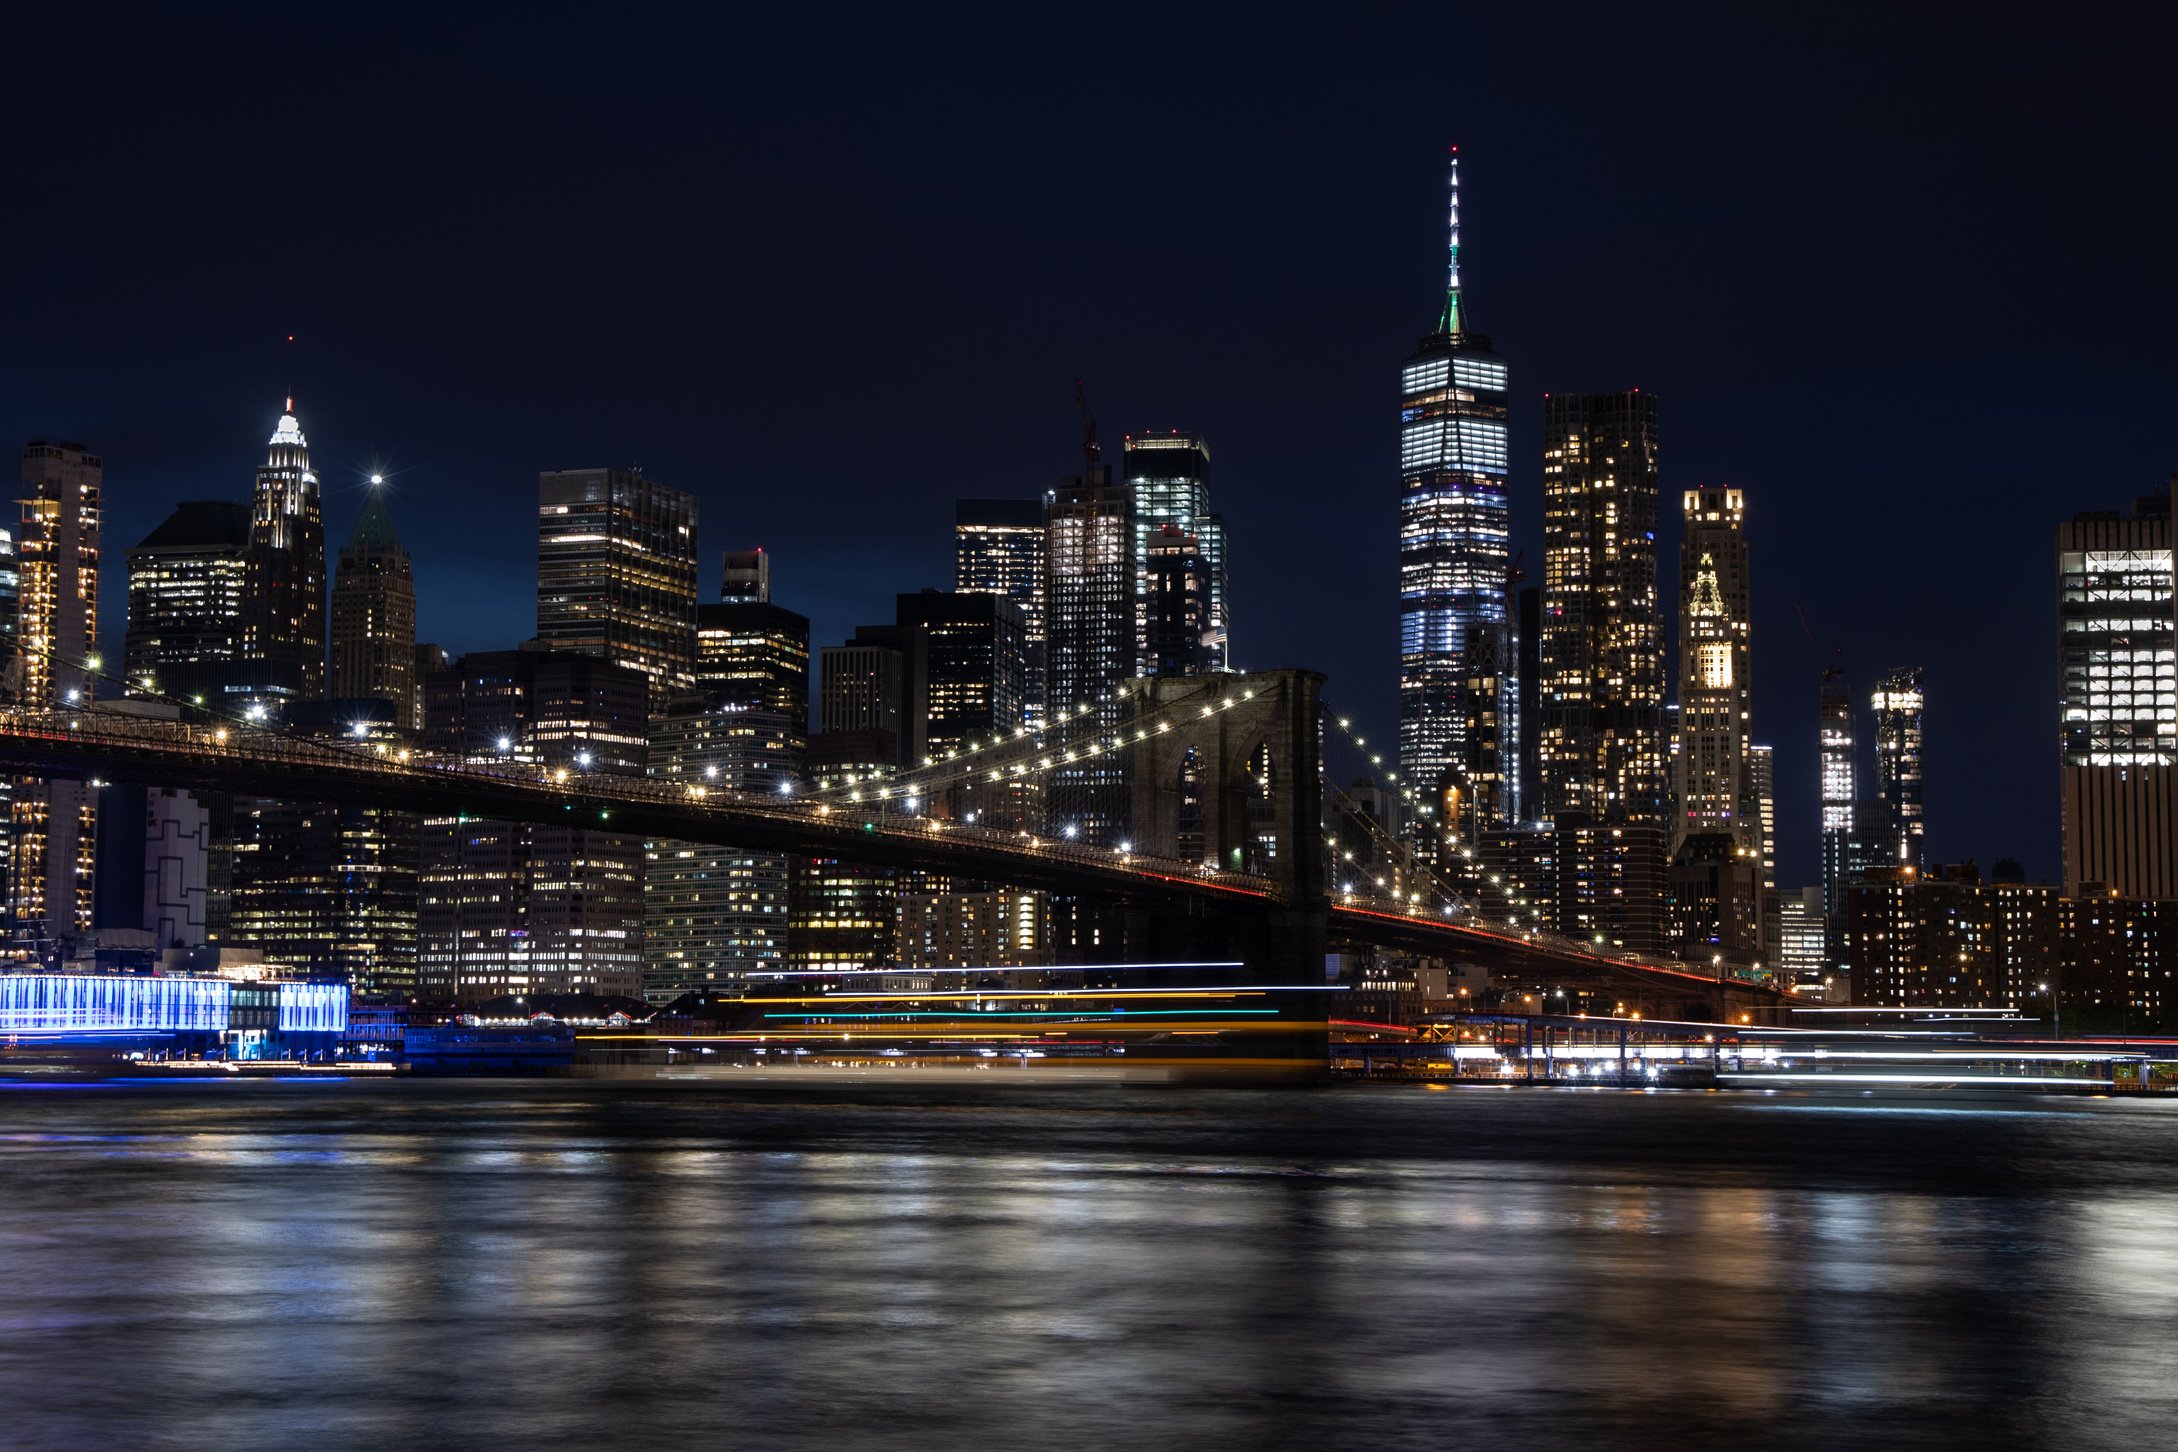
[[1232, 774]]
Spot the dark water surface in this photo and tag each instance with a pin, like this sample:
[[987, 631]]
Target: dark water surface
[[610, 1264]]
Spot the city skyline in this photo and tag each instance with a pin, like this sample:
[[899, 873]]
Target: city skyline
[[1464, 715], [432, 374]]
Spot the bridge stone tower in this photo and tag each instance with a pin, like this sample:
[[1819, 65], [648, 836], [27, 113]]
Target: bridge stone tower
[[1235, 779]]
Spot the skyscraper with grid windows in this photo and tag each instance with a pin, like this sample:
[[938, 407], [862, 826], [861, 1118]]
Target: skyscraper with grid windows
[[1602, 710], [1453, 525], [2118, 685]]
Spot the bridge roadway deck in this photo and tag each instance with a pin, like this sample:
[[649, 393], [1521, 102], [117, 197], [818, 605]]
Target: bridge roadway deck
[[1547, 954], [208, 757]]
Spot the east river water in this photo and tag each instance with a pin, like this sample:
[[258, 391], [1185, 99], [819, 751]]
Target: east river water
[[785, 1264]]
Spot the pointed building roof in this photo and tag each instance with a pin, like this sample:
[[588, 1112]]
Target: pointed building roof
[[202, 524], [1706, 596], [289, 430], [374, 534]]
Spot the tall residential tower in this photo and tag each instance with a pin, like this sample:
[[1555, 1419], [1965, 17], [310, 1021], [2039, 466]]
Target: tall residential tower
[[1898, 703], [1089, 599], [53, 828], [1602, 723], [1834, 723]]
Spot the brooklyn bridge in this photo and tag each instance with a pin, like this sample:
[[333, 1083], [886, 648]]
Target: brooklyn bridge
[[1238, 863]]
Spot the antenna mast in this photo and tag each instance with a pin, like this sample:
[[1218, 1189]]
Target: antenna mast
[[1452, 322]]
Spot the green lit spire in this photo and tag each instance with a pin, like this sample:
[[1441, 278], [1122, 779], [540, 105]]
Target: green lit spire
[[1453, 322]]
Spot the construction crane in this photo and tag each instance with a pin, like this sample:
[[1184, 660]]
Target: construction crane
[[1092, 453], [1837, 656]]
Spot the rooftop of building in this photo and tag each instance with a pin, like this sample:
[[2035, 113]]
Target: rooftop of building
[[202, 524], [1005, 513], [374, 532], [723, 614]]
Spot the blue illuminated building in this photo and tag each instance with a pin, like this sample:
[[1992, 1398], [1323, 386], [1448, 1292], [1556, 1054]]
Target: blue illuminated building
[[208, 1016], [1453, 526]]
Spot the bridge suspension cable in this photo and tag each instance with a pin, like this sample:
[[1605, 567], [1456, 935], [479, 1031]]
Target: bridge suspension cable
[[994, 762]]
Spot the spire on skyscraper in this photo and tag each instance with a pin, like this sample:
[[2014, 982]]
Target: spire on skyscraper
[[1453, 408], [374, 532], [1452, 323]]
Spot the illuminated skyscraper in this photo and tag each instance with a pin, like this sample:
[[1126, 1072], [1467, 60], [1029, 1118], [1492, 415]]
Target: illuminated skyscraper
[[2118, 683], [11, 584], [1762, 791], [506, 907], [1170, 477], [1602, 747], [616, 571], [1898, 702], [755, 655], [1179, 638], [876, 686], [1490, 734], [1528, 701], [842, 914], [1839, 785], [711, 914], [1715, 786], [746, 576], [284, 608], [374, 617], [53, 826], [329, 889], [1453, 523], [975, 675], [187, 583], [998, 549], [1089, 596]]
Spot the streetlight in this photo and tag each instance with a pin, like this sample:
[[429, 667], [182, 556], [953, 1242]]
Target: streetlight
[[2056, 1014]]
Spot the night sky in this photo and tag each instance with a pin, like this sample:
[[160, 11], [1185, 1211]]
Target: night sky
[[1908, 281]]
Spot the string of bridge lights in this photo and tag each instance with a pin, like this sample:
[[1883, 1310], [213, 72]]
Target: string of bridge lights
[[1406, 790], [1451, 902], [1454, 903], [982, 761]]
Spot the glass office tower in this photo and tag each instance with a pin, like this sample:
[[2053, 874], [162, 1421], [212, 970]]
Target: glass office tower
[[2118, 687], [1453, 523], [1170, 476]]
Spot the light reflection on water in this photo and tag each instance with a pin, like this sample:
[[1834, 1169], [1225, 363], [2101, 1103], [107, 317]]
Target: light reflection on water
[[517, 1265]]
